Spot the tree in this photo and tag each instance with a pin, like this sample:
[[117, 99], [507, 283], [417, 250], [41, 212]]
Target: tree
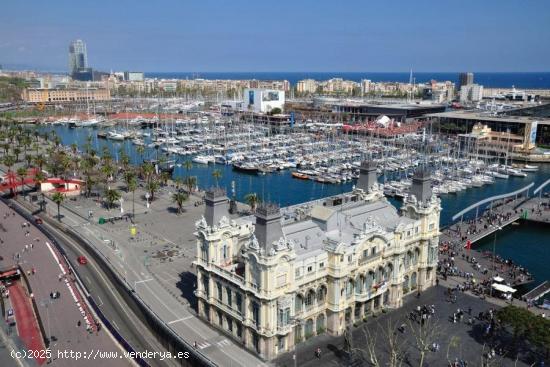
[[111, 196], [217, 174], [179, 198], [9, 161], [129, 176], [147, 169], [152, 187], [39, 161], [191, 182], [425, 334], [140, 150], [132, 186], [39, 178], [22, 174], [58, 198], [253, 200]]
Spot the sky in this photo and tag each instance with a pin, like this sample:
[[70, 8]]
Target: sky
[[281, 35]]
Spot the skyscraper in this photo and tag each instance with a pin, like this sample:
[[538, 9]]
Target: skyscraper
[[78, 57], [465, 79]]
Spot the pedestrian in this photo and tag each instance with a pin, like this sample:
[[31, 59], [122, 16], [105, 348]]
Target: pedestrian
[[78, 323], [318, 352], [33, 270], [195, 344]]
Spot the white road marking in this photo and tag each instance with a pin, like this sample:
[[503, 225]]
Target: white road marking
[[144, 280], [115, 325], [88, 279], [100, 301], [178, 320]]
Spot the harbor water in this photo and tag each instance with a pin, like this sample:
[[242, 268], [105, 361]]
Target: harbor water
[[528, 244]]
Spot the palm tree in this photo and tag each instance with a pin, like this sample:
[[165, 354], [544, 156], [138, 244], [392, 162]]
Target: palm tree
[[188, 165], [111, 196], [217, 174], [9, 161], [148, 170], [253, 200], [16, 152], [58, 199], [152, 187], [22, 174], [40, 161], [140, 150], [39, 178], [179, 198], [129, 176], [191, 182], [132, 186], [178, 182]]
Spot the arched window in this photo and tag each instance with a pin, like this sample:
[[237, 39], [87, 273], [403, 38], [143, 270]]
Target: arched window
[[298, 301]]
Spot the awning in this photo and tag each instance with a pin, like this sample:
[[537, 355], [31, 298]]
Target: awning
[[503, 288], [498, 279]]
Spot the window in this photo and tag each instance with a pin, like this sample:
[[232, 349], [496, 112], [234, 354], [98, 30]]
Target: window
[[239, 330], [224, 252], [309, 299], [431, 227], [321, 265], [349, 289], [230, 325], [281, 343], [416, 230], [309, 269], [341, 258], [408, 233], [365, 253], [220, 319], [350, 258], [229, 296], [219, 286], [373, 251], [239, 302], [297, 273], [256, 313]]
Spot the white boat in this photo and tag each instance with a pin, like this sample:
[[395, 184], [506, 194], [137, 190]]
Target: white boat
[[528, 168], [201, 159], [496, 174], [113, 135], [515, 172]]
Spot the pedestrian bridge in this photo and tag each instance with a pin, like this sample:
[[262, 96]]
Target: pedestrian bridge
[[491, 199]]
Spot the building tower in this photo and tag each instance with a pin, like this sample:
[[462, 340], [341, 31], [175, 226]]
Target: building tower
[[78, 57], [367, 176], [216, 205], [465, 79]]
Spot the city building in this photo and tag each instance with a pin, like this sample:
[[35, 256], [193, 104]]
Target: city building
[[284, 275], [465, 79], [78, 61], [62, 95], [306, 86], [471, 93], [133, 76], [366, 86], [264, 100]]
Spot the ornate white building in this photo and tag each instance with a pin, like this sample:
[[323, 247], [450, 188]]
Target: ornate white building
[[281, 276]]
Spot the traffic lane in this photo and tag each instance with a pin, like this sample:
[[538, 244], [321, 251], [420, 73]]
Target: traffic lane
[[103, 293]]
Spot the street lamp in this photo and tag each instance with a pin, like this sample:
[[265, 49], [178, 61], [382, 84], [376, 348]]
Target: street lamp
[[147, 199], [498, 228]]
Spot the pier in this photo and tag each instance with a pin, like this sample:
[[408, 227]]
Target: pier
[[536, 293]]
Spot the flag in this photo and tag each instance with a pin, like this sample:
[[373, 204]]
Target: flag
[[468, 245]]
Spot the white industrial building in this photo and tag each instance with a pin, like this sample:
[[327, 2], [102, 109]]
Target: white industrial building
[[263, 100], [471, 93]]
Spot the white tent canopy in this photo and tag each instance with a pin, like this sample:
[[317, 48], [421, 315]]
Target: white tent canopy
[[503, 288], [498, 279]]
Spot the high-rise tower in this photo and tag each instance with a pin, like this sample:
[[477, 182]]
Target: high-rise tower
[[78, 57]]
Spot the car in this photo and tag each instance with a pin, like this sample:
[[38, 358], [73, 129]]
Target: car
[[38, 220], [82, 260]]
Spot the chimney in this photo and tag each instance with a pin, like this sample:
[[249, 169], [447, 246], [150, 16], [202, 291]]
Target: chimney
[[217, 205], [367, 175], [422, 185], [268, 225]]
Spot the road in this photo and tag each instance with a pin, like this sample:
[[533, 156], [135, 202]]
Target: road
[[106, 296]]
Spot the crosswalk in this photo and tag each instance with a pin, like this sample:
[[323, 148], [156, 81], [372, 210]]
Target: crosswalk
[[220, 344]]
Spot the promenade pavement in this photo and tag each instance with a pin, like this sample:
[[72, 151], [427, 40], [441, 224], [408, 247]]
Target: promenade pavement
[[156, 263], [62, 320]]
